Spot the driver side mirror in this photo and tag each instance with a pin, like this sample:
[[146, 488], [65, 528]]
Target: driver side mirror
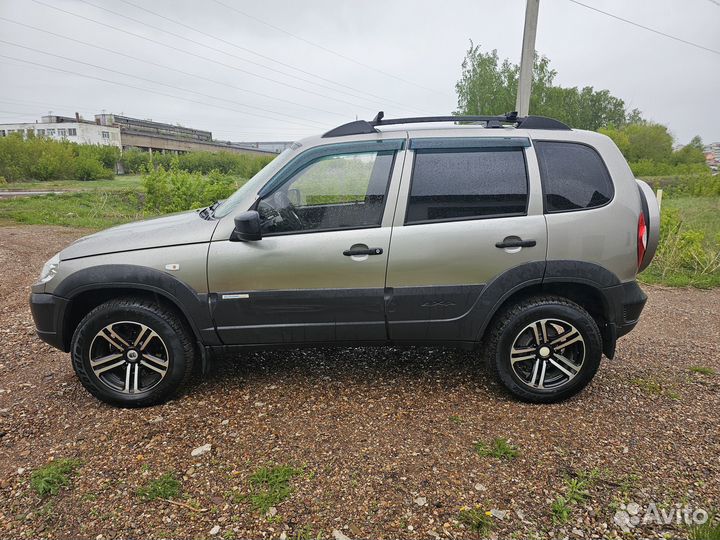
[[247, 227]]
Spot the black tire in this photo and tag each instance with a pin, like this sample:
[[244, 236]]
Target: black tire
[[175, 343], [507, 327]]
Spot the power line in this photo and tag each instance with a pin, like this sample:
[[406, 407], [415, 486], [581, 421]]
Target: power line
[[156, 64], [18, 112], [205, 58], [215, 49], [56, 106], [647, 28], [326, 49], [52, 68], [240, 47], [715, 2], [153, 81]]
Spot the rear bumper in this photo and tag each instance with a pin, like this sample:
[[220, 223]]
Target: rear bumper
[[48, 312], [624, 304]]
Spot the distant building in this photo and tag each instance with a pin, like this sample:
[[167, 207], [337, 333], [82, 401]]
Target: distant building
[[270, 146], [160, 137], [126, 132], [714, 149], [66, 128]]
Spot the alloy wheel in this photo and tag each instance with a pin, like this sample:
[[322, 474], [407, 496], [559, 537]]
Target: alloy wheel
[[547, 354], [129, 357]]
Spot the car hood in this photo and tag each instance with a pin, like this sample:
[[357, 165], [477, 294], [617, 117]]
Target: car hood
[[172, 230]]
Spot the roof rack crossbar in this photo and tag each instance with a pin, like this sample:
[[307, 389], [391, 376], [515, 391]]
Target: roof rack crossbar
[[528, 122]]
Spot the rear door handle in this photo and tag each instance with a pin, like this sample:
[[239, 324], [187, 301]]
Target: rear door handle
[[514, 242], [362, 251]]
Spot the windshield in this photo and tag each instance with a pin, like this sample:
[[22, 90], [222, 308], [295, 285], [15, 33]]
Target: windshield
[[252, 186]]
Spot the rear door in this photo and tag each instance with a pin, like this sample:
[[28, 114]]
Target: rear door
[[468, 211]]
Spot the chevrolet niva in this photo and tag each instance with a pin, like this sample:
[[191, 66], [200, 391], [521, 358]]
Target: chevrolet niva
[[516, 237]]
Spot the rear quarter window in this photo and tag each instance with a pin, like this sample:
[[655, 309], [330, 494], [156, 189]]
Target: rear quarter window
[[574, 176]]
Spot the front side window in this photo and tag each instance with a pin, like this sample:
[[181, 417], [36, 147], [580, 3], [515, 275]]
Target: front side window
[[105, 134], [72, 132], [62, 132], [40, 131], [343, 191], [450, 185], [51, 132], [573, 176], [2, 132]]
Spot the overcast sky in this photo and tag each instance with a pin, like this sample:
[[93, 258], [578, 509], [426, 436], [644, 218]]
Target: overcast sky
[[285, 69]]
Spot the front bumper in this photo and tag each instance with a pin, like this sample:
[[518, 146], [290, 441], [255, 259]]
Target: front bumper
[[48, 312]]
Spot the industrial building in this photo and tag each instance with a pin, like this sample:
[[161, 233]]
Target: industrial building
[[126, 132], [73, 129]]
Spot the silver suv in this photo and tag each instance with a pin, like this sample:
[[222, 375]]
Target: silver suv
[[518, 238]]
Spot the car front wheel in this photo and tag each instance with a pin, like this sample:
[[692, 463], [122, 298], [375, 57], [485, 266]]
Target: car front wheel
[[544, 349], [132, 353]]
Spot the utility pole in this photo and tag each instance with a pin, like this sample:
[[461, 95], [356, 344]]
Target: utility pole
[[522, 105]]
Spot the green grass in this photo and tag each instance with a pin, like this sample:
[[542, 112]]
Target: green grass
[[130, 181], [498, 448], [576, 491], [654, 388], [271, 486], [710, 530], [700, 214], [49, 479], [476, 519], [702, 370], [165, 487], [305, 533], [94, 209]]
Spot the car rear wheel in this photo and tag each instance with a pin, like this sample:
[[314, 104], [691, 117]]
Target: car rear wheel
[[132, 353], [544, 349]]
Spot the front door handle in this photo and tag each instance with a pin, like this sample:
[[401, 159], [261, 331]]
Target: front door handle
[[515, 242], [362, 251]]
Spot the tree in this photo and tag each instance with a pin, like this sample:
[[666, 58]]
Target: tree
[[649, 141], [488, 86], [693, 152]]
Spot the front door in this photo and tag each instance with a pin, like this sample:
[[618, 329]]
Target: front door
[[318, 273], [468, 211]]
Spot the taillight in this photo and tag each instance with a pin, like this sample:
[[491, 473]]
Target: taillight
[[642, 238]]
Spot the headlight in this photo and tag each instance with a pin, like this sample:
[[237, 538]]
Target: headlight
[[50, 269]]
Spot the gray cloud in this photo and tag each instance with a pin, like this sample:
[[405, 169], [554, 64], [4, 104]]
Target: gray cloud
[[422, 42]]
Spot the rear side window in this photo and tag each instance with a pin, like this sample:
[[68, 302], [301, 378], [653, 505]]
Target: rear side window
[[573, 175], [450, 185]]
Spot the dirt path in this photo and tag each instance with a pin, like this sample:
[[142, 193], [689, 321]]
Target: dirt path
[[384, 437]]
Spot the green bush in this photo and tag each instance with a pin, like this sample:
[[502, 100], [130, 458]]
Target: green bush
[[175, 190], [647, 167], [684, 256], [87, 168], [697, 185], [243, 165], [107, 156], [135, 161], [40, 158]]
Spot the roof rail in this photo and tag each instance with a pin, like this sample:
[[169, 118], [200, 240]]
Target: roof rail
[[528, 122]]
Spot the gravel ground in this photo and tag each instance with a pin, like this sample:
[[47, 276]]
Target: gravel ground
[[383, 437]]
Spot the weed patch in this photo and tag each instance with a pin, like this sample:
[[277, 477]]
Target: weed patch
[[165, 487], [498, 448], [49, 479]]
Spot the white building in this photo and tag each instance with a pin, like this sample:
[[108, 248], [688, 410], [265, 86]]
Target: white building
[[59, 128]]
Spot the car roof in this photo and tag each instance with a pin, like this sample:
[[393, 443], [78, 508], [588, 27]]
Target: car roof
[[449, 130]]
